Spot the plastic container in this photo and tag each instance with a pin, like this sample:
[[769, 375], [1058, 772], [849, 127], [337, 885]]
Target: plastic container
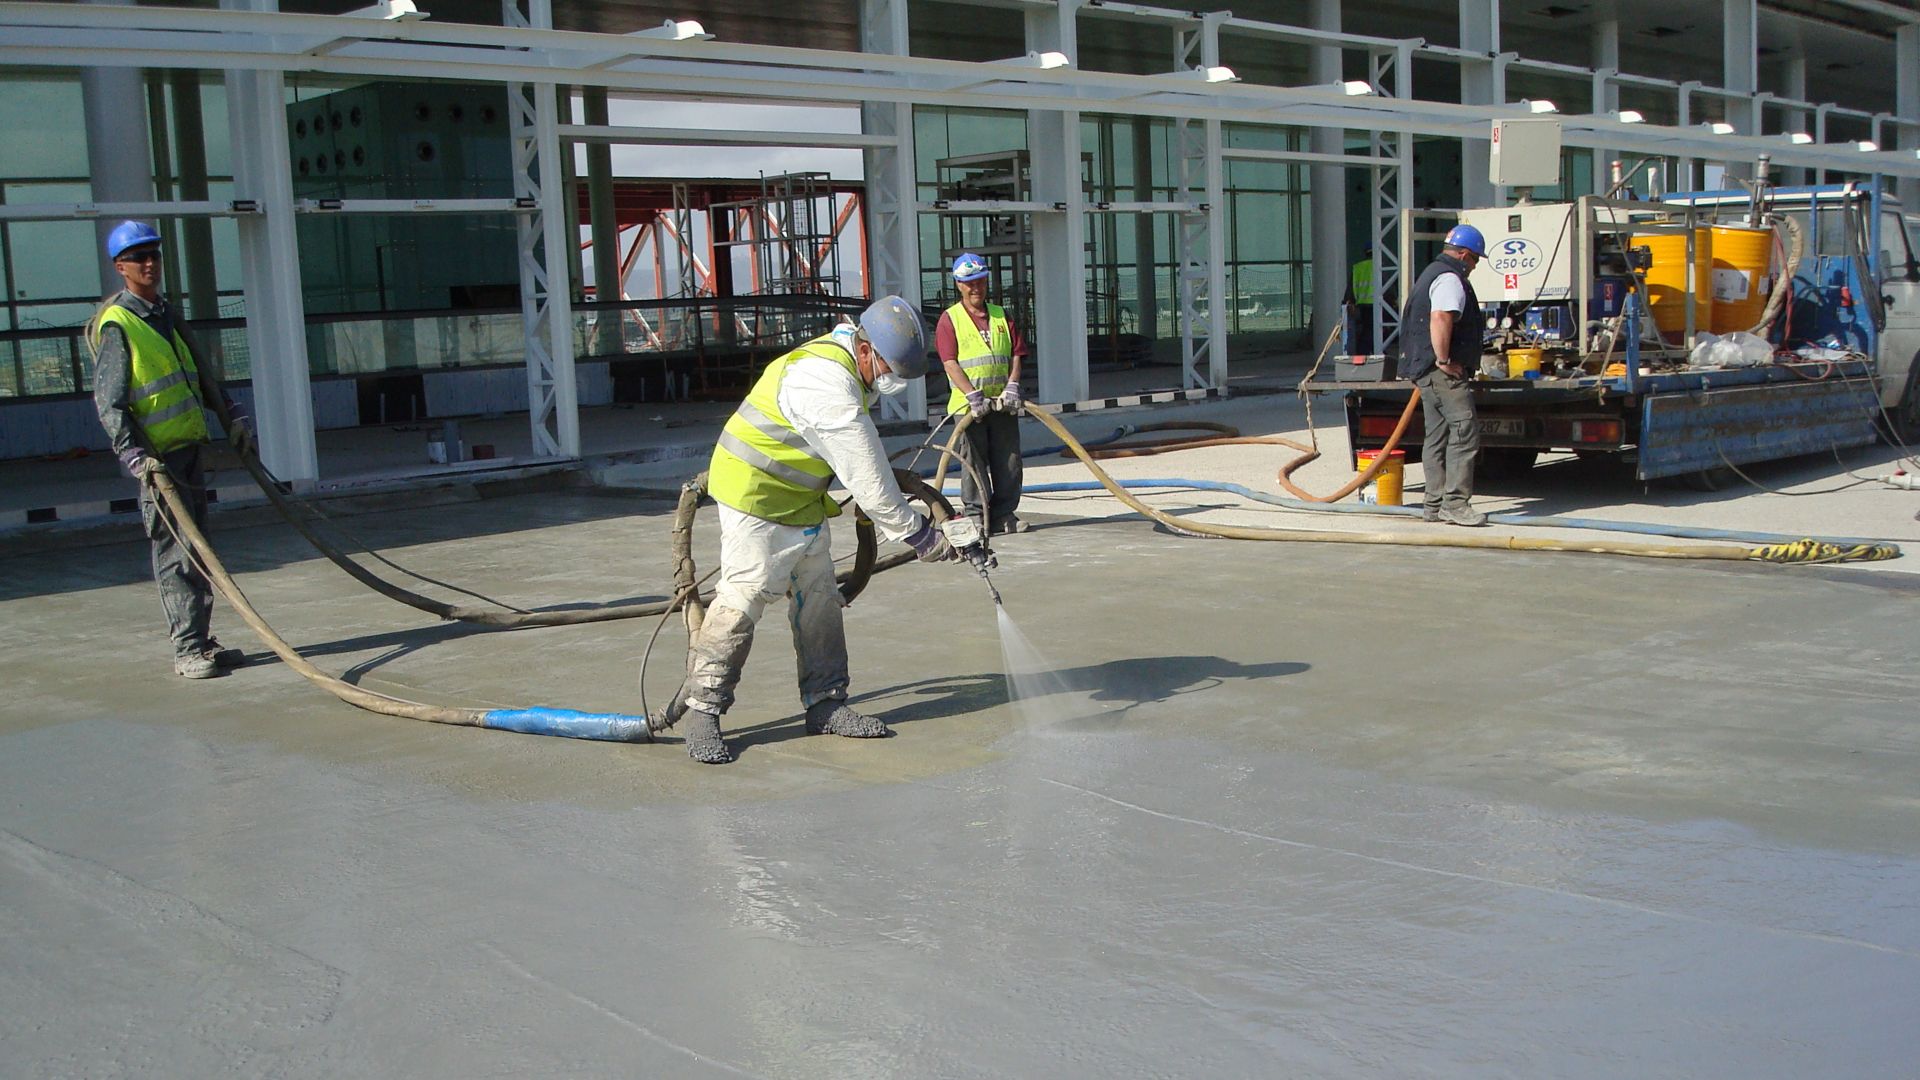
[[1521, 361], [1385, 487], [1742, 274], [1667, 280]]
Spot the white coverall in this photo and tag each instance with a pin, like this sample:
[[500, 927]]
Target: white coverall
[[761, 560]]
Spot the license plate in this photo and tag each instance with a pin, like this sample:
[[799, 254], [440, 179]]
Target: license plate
[[1503, 429]]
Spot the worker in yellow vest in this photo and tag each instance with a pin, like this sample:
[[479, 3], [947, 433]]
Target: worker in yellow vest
[[1358, 309], [982, 354], [149, 391], [804, 425]]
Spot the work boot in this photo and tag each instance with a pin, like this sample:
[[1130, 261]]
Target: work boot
[[196, 666], [223, 658], [1430, 513], [835, 717], [1462, 515], [1010, 524], [704, 743]]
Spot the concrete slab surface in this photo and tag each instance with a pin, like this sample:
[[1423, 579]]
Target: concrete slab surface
[[1264, 809]]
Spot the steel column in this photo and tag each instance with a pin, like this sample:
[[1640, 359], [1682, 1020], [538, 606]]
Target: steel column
[[1480, 84], [1906, 96], [1059, 336], [892, 202], [546, 308], [1200, 234], [119, 157], [270, 269], [1332, 255]]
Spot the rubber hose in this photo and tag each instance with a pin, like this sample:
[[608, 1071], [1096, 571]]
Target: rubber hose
[[1720, 552], [568, 723], [1784, 287], [505, 620], [1526, 520]]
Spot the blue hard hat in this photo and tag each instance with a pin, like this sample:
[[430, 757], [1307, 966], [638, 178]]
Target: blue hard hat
[[130, 234], [897, 333], [1468, 237], [969, 267]]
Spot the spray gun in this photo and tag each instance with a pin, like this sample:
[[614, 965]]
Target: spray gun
[[965, 537]]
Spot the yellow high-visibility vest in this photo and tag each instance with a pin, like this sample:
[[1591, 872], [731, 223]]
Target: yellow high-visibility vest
[[762, 465], [1363, 281], [163, 391], [988, 359]]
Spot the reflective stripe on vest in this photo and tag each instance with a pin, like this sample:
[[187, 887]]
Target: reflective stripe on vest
[[761, 464], [987, 361], [165, 394]]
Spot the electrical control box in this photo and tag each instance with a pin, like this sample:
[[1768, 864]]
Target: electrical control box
[[1530, 252], [1525, 153]]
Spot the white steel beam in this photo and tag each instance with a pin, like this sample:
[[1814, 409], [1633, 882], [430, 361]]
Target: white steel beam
[[116, 211], [1060, 275], [45, 34], [270, 268], [892, 195], [662, 136]]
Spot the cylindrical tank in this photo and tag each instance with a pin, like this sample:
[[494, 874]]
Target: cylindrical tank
[[1742, 270], [1667, 280]]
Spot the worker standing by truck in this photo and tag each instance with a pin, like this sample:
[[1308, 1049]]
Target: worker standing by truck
[[982, 354], [1443, 329], [803, 425], [148, 392]]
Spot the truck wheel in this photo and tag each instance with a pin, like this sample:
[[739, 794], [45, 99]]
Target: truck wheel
[[1507, 462]]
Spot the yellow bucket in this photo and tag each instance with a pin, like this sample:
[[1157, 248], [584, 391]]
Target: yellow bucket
[[1386, 485], [1742, 265], [1521, 361], [1667, 280]]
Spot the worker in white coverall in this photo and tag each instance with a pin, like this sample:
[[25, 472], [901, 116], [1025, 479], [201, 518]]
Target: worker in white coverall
[[803, 426]]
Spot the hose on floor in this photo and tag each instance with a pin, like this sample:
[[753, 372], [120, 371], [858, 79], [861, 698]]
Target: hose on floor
[[1801, 551]]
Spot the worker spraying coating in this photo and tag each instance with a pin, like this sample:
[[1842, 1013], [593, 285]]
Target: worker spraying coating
[[803, 425]]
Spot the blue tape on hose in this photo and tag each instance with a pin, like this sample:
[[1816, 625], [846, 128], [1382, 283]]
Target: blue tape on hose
[[569, 724], [1684, 532]]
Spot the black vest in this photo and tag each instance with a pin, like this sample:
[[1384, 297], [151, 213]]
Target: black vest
[[1469, 328]]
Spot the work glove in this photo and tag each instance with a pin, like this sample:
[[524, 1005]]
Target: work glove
[[1010, 399], [240, 434], [967, 543], [138, 462], [930, 544], [976, 402]]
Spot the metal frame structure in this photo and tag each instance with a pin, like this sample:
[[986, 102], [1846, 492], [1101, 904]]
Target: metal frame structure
[[885, 82]]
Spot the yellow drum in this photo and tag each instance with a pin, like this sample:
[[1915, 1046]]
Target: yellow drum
[[1742, 274], [1389, 481], [1667, 280]]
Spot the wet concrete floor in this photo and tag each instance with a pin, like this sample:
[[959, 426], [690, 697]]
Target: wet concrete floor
[[1291, 810]]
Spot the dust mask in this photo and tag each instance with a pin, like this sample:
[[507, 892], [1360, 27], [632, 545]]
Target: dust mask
[[889, 384]]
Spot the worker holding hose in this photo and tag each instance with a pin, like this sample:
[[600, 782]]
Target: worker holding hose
[[148, 390], [803, 425], [982, 353], [1442, 331]]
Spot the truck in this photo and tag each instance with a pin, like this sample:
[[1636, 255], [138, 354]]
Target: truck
[[1616, 330]]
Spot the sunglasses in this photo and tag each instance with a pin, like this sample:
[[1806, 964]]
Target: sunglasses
[[150, 255]]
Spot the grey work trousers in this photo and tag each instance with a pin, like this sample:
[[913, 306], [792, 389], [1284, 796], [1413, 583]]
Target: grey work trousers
[[992, 446], [185, 593], [1453, 439]]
